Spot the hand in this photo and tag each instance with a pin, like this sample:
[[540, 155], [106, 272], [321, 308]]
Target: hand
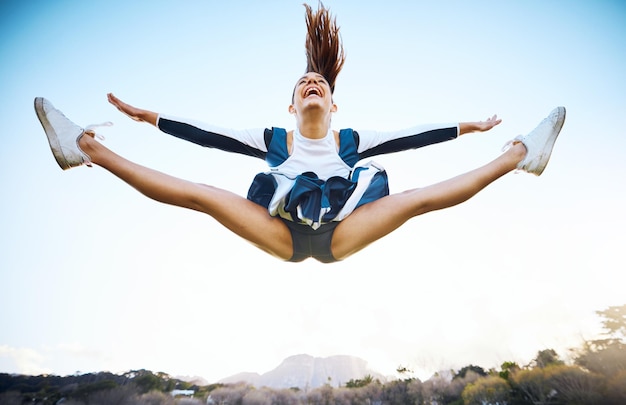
[[482, 126], [479, 126], [134, 113]]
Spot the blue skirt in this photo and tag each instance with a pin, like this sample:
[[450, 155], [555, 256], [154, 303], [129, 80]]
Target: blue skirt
[[310, 200]]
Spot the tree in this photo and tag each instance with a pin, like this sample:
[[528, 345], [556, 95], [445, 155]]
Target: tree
[[258, 397], [533, 385], [286, 397], [86, 390], [453, 391], [435, 390], [123, 395], [546, 358], [322, 395], [405, 372], [614, 321], [353, 396], [146, 381], [327, 393], [462, 373], [607, 359], [155, 398], [507, 368], [10, 398], [615, 391], [487, 390], [396, 392], [574, 385], [606, 356], [229, 394], [360, 382], [415, 391]]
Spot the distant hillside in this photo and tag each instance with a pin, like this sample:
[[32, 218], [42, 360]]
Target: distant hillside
[[304, 371]]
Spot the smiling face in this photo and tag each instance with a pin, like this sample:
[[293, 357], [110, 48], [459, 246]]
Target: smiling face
[[312, 96]]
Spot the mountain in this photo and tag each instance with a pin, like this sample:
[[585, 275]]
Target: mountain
[[192, 379], [304, 371]]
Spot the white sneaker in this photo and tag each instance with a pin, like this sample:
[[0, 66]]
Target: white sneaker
[[540, 141], [63, 135]]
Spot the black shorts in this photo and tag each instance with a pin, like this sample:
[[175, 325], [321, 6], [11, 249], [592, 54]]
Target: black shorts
[[308, 242]]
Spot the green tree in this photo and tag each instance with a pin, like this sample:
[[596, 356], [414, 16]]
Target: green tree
[[86, 390], [487, 390], [462, 373], [547, 357], [507, 368], [360, 382], [405, 372]]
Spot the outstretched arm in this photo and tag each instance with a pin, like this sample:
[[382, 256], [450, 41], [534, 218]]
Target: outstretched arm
[[249, 142], [478, 126], [371, 143], [135, 113]]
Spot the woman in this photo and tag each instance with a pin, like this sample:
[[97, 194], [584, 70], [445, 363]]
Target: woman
[[315, 201]]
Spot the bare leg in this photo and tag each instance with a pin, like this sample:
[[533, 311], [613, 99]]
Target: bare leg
[[372, 221], [256, 225]]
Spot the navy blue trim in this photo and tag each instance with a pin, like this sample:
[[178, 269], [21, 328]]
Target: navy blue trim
[[277, 151], [411, 142], [262, 189], [310, 194], [348, 147], [267, 137], [208, 139], [377, 189]]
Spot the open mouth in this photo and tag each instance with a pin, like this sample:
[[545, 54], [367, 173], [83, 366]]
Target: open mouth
[[312, 91]]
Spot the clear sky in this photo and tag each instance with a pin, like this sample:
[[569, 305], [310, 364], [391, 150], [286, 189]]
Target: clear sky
[[95, 277]]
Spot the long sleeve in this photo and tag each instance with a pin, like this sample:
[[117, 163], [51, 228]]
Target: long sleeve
[[250, 142], [372, 143]]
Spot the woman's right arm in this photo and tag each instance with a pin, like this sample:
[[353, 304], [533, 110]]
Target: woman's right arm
[[134, 113], [250, 142]]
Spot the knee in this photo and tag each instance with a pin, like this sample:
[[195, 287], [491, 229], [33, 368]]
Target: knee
[[414, 202], [199, 195]]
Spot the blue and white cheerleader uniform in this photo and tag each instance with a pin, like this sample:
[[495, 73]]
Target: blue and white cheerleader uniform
[[318, 183]]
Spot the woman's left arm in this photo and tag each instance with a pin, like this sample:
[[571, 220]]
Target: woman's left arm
[[372, 143]]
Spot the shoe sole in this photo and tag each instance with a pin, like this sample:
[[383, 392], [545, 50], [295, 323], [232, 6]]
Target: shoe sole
[[552, 140], [53, 139]]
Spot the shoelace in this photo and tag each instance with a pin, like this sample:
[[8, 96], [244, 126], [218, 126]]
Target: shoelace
[[509, 144], [90, 129]]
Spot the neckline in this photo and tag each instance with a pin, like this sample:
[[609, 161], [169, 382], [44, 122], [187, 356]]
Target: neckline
[[298, 134]]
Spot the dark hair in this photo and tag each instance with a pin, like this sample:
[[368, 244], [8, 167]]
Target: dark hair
[[324, 50]]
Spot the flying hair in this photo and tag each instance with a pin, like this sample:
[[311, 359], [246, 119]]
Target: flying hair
[[324, 50]]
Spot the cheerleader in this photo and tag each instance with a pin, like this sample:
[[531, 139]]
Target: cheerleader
[[317, 199]]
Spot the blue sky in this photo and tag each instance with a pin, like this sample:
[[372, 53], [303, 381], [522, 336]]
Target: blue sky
[[94, 276]]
